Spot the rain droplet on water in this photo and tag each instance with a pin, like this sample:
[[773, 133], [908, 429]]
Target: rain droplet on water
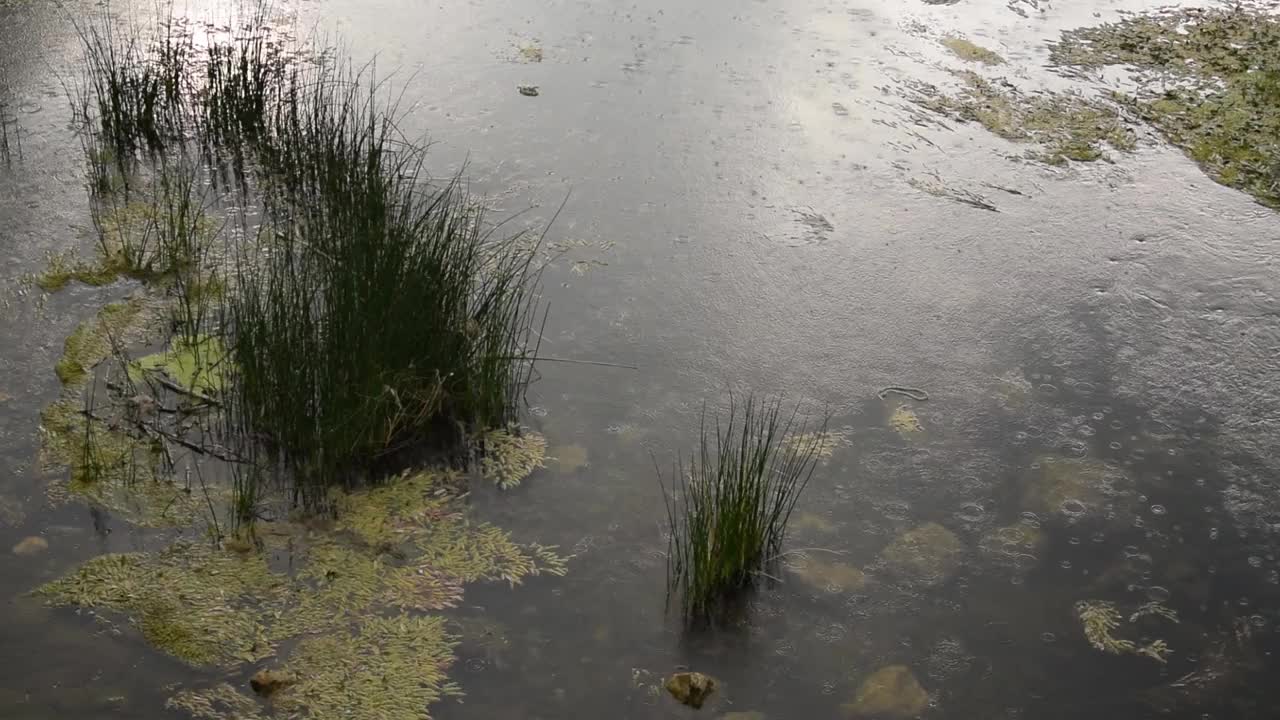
[[1158, 510]]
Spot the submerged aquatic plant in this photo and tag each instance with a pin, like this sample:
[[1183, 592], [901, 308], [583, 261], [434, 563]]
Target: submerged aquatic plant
[[1101, 619], [729, 510]]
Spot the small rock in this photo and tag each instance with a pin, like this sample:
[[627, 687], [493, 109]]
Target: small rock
[[528, 90], [691, 688], [928, 555], [890, 692], [267, 682], [31, 546], [829, 576]]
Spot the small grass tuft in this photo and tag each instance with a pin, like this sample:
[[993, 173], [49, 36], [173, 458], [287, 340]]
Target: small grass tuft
[[731, 505]]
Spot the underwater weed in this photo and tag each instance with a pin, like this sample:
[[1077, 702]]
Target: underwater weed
[[734, 501]]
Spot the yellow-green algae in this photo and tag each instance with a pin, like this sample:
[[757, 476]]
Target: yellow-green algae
[[351, 612], [890, 692], [511, 455], [1066, 126], [90, 343], [64, 268], [197, 364], [199, 604], [928, 555], [904, 421], [1210, 83], [970, 51]]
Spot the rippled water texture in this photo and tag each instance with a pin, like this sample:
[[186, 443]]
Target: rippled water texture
[[1098, 348]]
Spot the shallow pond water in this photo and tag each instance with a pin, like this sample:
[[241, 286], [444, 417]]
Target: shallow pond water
[[1098, 347]]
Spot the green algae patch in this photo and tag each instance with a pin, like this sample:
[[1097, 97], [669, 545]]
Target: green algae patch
[[1209, 81], [63, 269], [510, 456], [91, 342], [1066, 126], [197, 364], [193, 602], [927, 555], [890, 692], [970, 51], [386, 669]]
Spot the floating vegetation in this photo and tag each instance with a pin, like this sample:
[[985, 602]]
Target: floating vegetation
[[1209, 82], [220, 702], [971, 52], [531, 52], [406, 546], [387, 668], [1066, 126], [933, 185], [93, 340], [194, 366], [1100, 619], [194, 602], [730, 508], [510, 456]]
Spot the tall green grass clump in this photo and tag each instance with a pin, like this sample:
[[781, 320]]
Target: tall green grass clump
[[729, 510], [375, 313]]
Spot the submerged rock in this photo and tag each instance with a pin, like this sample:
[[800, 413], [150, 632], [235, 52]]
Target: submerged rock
[[691, 688], [928, 555], [32, 545], [890, 692], [267, 682], [830, 576], [1068, 486]]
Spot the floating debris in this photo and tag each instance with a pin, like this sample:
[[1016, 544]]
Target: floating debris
[[528, 90]]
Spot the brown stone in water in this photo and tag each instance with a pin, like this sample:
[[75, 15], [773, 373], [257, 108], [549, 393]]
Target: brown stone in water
[[691, 688], [30, 546], [267, 682]]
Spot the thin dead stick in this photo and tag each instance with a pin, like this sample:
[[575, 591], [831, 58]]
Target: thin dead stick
[[542, 358]]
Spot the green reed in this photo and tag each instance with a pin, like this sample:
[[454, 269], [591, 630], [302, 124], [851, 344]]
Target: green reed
[[730, 505]]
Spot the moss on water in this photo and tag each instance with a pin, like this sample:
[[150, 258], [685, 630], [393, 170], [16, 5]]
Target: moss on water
[[90, 343], [1209, 81], [971, 52], [1066, 126], [197, 365]]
